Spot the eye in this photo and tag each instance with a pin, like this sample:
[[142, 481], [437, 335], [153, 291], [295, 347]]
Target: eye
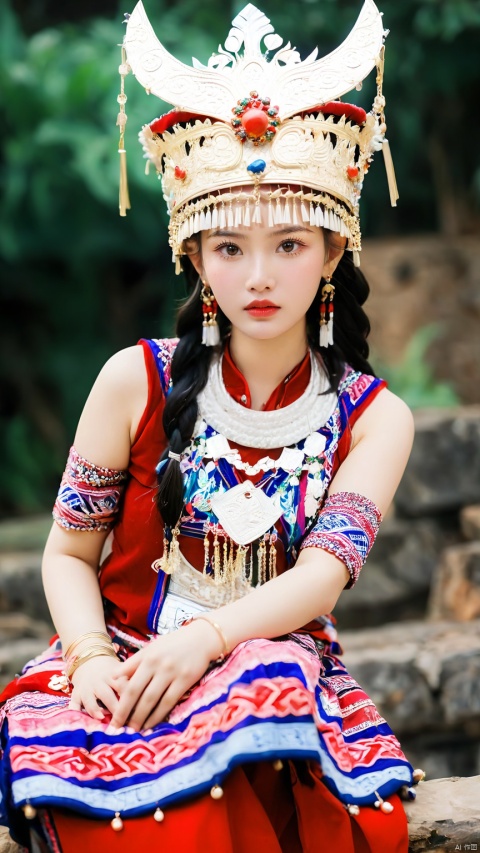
[[290, 247], [229, 250]]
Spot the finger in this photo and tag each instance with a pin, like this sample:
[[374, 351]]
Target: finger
[[170, 698], [147, 702], [118, 684], [92, 707], [129, 698], [74, 704], [128, 667], [108, 697]]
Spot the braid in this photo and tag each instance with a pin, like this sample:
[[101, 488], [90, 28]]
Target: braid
[[190, 364]]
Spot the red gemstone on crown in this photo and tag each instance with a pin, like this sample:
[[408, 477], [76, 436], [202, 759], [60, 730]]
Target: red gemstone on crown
[[352, 172], [180, 174], [255, 122]]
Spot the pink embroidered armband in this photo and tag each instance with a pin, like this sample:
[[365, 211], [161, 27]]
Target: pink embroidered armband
[[346, 527], [89, 496]]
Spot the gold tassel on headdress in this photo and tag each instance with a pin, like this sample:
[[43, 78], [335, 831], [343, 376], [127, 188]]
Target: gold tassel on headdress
[[379, 104], [392, 181], [123, 198]]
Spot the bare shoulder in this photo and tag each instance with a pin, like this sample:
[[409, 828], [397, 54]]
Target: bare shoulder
[[381, 443], [125, 370], [113, 410], [385, 412]]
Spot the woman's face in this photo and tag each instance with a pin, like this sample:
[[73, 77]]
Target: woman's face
[[264, 278]]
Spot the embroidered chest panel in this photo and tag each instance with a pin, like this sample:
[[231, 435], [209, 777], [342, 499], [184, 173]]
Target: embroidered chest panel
[[295, 478]]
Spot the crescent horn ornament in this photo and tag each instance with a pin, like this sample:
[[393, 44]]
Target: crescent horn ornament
[[258, 123], [294, 84]]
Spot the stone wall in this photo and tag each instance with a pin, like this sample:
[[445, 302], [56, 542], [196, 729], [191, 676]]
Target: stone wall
[[428, 279]]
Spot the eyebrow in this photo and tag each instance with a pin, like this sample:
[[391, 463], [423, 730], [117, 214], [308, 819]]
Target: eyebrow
[[287, 229]]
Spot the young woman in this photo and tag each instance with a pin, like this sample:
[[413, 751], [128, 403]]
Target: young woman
[[194, 698]]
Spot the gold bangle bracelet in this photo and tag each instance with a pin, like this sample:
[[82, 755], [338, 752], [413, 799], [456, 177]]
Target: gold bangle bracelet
[[97, 651], [220, 633], [90, 635], [93, 646]]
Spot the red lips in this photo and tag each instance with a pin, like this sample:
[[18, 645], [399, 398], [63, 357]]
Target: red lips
[[262, 308], [261, 303]]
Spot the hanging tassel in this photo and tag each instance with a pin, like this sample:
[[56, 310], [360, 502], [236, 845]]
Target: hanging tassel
[[217, 567], [241, 562], [206, 552], [323, 336], [262, 561], [272, 557], [389, 168], [330, 326], [294, 212], [174, 552], [123, 197], [326, 314], [271, 219], [356, 258]]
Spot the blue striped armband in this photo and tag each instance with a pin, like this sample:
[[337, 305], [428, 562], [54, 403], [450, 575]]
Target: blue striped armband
[[347, 527]]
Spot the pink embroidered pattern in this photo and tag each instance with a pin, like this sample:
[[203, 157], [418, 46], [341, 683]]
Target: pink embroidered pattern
[[89, 495], [347, 527]]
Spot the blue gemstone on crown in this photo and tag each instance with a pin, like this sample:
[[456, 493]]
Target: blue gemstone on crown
[[257, 166]]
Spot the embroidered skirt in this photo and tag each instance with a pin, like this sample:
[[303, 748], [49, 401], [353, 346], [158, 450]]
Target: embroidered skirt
[[271, 699]]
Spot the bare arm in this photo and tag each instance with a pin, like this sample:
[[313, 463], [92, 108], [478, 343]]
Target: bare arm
[[70, 564]]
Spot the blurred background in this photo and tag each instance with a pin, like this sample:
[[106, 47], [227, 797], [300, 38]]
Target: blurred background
[[77, 282]]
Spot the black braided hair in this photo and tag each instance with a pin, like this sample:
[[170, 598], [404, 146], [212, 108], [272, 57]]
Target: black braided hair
[[191, 362]]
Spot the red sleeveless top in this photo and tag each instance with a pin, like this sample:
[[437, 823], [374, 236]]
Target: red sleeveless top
[[127, 581]]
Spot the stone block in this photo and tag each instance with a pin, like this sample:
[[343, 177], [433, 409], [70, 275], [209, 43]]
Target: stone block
[[21, 585], [422, 676], [455, 590], [7, 844], [25, 534], [443, 473], [395, 582], [470, 521], [445, 814]]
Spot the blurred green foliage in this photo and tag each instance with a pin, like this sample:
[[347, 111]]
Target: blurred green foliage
[[76, 281], [412, 378]]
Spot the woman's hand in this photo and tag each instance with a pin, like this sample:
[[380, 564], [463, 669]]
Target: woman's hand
[[93, 682], [161, 673]]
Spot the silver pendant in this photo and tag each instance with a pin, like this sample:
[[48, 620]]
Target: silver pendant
[[245, 512]]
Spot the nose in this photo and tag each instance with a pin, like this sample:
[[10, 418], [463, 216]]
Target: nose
[[260, 277]]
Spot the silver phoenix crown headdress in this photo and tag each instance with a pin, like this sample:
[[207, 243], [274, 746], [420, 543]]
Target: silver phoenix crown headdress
[[268, 121]]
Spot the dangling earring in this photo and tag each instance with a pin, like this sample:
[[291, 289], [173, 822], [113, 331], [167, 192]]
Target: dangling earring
[[326, 316], [211, 332]]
